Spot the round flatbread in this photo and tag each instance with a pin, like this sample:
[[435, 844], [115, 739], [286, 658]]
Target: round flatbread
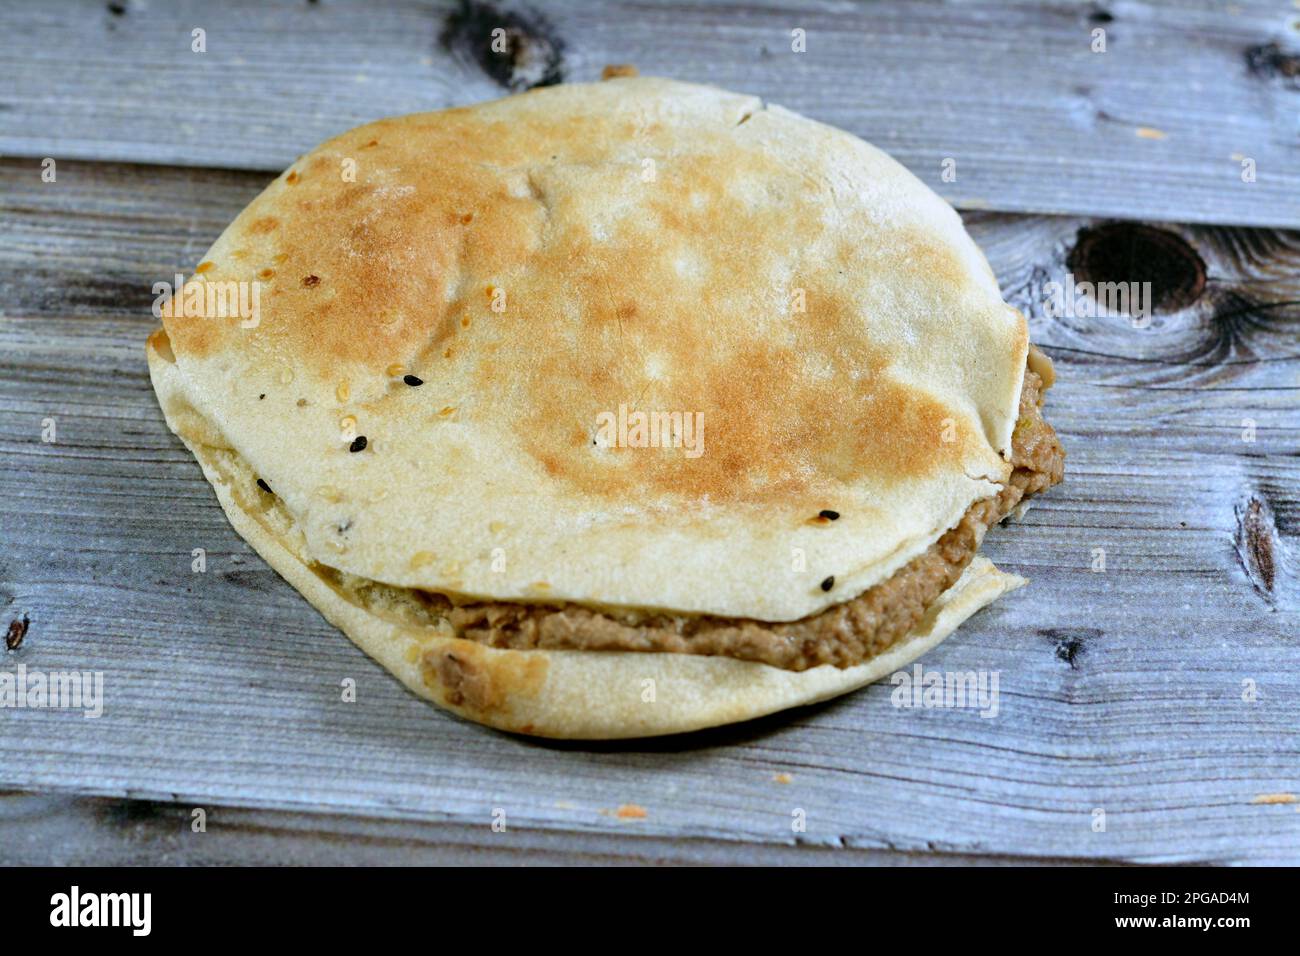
[[620, 347]]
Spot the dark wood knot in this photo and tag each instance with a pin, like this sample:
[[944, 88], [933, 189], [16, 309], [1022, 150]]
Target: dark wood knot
[[1070, 643], [1255, 540], [1268, 61], [519, 48], [1130, 252]]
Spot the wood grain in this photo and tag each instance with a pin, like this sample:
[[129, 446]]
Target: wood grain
[[1120, 691], [75, 831], [1155, 127]]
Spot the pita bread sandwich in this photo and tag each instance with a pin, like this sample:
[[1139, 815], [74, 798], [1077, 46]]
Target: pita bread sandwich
[[612, 410]]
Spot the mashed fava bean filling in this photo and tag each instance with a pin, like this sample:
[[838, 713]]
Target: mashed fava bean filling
[[843, 635]]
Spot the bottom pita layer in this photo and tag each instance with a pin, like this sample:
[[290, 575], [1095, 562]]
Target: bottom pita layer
[[573, 694]]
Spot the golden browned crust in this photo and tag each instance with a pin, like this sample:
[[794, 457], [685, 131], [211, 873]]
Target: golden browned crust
[[843, 635]]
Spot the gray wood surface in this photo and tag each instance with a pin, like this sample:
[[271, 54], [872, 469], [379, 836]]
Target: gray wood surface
[[104, 831], [1120, 691], [1155, 127]]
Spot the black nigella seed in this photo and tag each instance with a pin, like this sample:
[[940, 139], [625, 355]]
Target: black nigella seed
[[828, 583], [412, 380], [264, 486], [358, 443], [829, 515]]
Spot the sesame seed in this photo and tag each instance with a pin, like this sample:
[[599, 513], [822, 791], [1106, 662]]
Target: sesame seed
[[829, 515], [264, 486], [828, 583], [412, 380], [358, 444]]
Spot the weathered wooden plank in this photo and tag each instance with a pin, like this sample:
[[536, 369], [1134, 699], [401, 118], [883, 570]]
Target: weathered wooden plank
[[1155, 127], [1119, 690], [75, 831]]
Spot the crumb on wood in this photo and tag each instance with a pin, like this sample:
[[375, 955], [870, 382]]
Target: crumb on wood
[[17, 631]]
